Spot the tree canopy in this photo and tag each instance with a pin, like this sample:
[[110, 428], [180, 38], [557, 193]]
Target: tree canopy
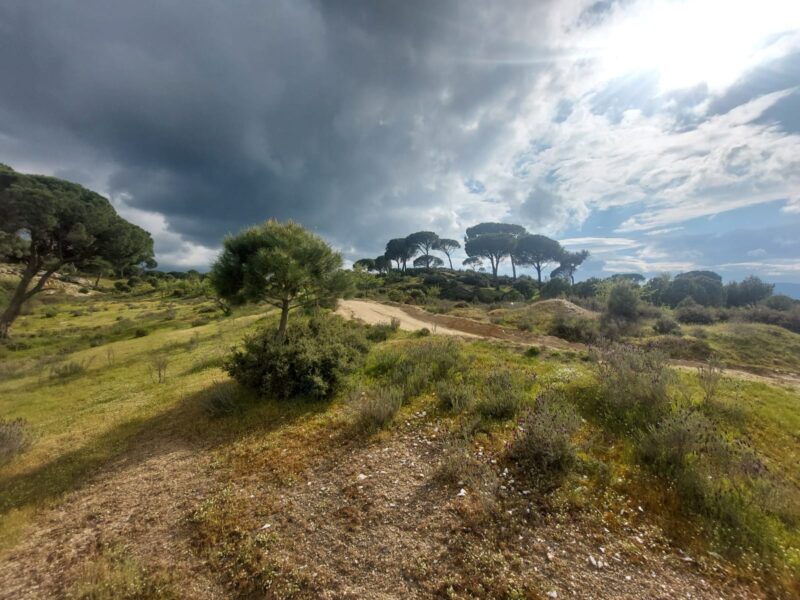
[[422, 242], [282, 264], [538, 251], [400, 251], [494, 247], [568, 264], [427, 261], [447, 246], [48, 224]]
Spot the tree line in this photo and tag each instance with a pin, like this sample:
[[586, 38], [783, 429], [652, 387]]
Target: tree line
[[490, 243]]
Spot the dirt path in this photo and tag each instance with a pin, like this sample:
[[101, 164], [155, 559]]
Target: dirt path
[[412, 319], [137, 502], [374, 313]]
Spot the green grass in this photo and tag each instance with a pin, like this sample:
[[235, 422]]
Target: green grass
[[756, 346], [80, 422]]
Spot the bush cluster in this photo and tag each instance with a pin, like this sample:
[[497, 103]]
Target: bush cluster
[[310, 361], [690, 312], [666, 325], [574, 329]]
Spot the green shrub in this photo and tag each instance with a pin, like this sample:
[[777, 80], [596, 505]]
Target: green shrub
[[504, 392], [623, 302], [121, 286], [140, 332], [70, 369], [542, 444], [374, 409], [396, 296], [383, 331], [310, 361], [424, 332], [666, 325], [634, 387], [779, 302], [690, 312], [533, 351], [454, 394], [574, 329], [14, 438]]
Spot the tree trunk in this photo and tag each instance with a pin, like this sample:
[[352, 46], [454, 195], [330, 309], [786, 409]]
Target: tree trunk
[[513, 268], [450, 260], [18, 299], [539, 273], [284, 319]]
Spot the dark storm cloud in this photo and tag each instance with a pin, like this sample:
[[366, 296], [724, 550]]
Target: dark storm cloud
[[218, 115]]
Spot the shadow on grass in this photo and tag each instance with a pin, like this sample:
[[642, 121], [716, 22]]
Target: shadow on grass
[[186, 425]]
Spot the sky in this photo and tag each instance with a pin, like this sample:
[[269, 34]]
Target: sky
[[660, 135]]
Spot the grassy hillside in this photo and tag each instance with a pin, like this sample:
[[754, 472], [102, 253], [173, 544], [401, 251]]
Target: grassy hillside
[[242, 496]]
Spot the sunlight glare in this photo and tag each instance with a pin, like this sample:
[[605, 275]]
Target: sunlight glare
[[688, 42]]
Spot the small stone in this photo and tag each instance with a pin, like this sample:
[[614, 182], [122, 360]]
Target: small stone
[[462, 493], [552, 594], [266, 526], [361, 477]]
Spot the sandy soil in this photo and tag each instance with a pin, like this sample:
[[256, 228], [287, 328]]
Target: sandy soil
[[374, 313]]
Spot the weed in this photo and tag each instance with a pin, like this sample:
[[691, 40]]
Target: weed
[[221, 400], [454, 394], [634, 388], [542, 444], [70, 368], [374, 409], [114, 576], [14, 438], [504, 392], [158, 368], [193, 342], [709, 377]]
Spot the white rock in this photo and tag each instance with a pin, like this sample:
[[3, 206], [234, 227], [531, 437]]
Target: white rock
[[266, 526], [361, 477], [552, 594], [462, 493]]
